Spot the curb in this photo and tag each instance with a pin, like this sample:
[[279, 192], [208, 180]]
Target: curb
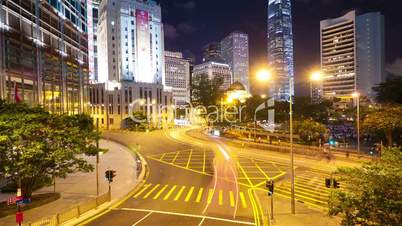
[[107, 207]]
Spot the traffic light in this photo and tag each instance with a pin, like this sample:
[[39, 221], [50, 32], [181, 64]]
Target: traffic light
[[110, 174], [270, 186], [327, 182], [331, 182]]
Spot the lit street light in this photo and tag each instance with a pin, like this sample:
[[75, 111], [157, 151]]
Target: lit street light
[[315, 76], [266, 76], [356, 96]]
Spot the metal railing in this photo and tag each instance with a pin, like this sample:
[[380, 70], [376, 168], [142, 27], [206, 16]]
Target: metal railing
[[74, 212]]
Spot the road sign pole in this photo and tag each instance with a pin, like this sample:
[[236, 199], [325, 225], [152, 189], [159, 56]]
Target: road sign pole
[[97, 159], [272, 206]]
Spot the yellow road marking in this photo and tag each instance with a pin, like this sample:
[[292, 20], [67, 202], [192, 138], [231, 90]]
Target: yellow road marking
[[189, 194], [243, 200], [189, 158], [175, 157], [179, 193], [262, 171], [255, 212], [210, 195], [231, 197], [245, 174], [203, 165], [169, 193], [163, 156], [160, 192], [199, 195], [182, 167], [150, 192], [142, 190], [220, 198]]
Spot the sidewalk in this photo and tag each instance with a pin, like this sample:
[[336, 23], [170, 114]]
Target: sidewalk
[[305, 215], [80, 187]]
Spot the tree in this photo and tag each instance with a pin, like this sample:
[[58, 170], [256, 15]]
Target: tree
[[310, 131], [317, 111], [389, 91], [140, 121], [386, 120], [205, 91], [370, 194], [36, 145]]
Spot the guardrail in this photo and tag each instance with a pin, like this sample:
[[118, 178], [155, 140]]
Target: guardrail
[[74, 212]]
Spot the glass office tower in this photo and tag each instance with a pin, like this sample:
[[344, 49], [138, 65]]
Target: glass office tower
[[280, 48]]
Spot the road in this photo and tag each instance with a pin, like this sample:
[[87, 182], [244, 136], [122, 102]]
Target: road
[[195, 179]]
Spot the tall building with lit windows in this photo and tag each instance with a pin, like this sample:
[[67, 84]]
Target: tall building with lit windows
[[235, 52], [177, 77], [352, 55], [44, 53], [131, 64], [130, 41], [280, 48]]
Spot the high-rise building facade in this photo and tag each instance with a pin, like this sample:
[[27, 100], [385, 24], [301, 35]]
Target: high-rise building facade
[[370, 52], [43, 53], [93, 18], [352, 55], [235, 52], [213, 69], [212, 52], [280, 48], [130, 41], [177, 77], [130, 47]]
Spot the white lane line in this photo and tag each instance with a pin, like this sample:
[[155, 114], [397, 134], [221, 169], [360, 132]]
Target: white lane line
[[142, 219], [202, 221], [188, 215]]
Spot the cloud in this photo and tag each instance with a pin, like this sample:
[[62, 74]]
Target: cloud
[[186, 28], [170, 31], [395, 68], [186, 5]]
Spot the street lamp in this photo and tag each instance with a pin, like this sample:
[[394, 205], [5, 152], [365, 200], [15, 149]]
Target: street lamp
[[315, 76], [265, 76], [356, 96], [292, 180]]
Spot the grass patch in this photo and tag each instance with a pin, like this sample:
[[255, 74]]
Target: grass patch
[[37, 200]]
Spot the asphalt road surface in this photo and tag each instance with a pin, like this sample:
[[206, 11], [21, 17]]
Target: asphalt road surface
[[196, 179]]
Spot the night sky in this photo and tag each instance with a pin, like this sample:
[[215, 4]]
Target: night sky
[[190, 24]]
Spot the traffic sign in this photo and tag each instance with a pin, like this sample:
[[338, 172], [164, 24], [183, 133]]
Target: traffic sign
[[23, 201]]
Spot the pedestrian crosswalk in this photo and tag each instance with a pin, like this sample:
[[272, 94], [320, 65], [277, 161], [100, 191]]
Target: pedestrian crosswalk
[[309, 189], [192, 194]]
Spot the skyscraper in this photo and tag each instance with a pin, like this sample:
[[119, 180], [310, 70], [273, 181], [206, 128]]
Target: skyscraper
[[352, 55], [130, 41], [130, 44], [213, 69], [212, 52], [235, 52], [280, 47], [93, 18], [43, 56], [177, 76]]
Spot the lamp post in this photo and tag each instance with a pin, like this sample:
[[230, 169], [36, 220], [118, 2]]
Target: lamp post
[[292, 174], [97, 159], [266, 75], [356, 96]]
